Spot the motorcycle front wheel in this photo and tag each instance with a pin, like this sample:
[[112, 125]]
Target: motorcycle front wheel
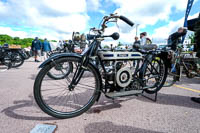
[[56, 99]]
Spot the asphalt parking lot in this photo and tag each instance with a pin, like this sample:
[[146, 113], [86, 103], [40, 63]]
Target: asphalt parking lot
[[173, 112]]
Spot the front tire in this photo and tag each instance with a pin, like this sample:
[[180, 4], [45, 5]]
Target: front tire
[[66, 104]]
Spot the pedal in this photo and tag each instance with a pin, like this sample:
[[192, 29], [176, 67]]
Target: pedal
[[123, 93]]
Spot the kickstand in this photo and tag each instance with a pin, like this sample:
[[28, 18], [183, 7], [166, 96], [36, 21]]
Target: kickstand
[[152, 99]]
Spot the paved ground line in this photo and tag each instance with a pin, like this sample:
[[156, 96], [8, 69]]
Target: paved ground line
[[194, 90]]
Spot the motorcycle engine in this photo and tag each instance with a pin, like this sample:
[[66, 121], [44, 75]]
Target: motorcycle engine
[[123, 77], [119, 73]]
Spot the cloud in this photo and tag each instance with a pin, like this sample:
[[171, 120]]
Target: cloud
[[148, 13], [59, 18], [11, 32], [93, 5], [162, 33], [56, 17]]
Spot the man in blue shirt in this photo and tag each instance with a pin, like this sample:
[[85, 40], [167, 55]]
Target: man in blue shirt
[[36, 47], [46, 48]]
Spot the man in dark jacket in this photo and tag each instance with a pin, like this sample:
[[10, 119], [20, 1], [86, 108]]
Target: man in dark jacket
[[175, 38], [46, 48], [36, 47]]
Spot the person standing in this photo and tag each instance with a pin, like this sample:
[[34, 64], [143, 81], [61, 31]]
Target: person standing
[[60, 44], [175, 38], [36, 47], [143, 38], [137, 41], [46, 48]]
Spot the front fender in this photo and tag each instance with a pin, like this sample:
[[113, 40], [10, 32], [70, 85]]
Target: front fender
[[56, 56], [61, 55]]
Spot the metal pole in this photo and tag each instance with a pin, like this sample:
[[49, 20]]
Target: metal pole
[[137, 28]]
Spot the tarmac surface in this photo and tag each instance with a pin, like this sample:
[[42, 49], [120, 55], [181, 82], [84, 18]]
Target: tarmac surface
[[173, 112]]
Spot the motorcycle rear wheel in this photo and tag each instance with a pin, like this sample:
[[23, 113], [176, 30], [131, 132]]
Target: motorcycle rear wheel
[[17, 60], [154, 75]]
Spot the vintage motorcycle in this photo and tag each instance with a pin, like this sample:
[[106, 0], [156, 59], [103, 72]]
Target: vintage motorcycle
[[5, 58], [97, 72]]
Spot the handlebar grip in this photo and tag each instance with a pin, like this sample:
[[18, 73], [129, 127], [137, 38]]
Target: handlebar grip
[[129, 22]]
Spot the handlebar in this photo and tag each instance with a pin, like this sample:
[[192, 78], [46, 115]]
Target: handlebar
[[129, 22], [114, 16]]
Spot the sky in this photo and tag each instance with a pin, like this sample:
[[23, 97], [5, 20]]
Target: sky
[[57, 19]]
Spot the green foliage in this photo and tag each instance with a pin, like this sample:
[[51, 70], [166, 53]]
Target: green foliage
[[106, 47], [53, 41], [26, 42], [192, 38], [119, 44]]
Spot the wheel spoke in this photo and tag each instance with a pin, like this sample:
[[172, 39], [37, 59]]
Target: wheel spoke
[[57, 97]]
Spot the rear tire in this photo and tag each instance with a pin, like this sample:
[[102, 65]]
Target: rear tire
[[17, 60], [154, 75], [63, 73]]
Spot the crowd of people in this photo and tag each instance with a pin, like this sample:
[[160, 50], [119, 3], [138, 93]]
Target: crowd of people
[[41, 49], [144, 40]]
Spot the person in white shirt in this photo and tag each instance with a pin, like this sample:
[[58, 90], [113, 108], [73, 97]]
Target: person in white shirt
[[60, 44], [143, 38]]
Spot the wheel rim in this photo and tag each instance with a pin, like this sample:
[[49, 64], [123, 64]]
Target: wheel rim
[[154, 74], [17, 60], [57, 97]]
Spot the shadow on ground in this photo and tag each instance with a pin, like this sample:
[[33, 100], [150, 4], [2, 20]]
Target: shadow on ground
[[108, 104], [109, 127], [170, 99], [33, 76], [28, 109], [17, 111], [188, 81]]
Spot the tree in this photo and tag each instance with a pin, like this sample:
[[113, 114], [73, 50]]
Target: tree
[[53, 41], [26, 42], [5, 39], [119, 44], [106, 47], [192, 38]]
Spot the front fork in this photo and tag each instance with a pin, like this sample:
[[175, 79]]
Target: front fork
[[79, 72]]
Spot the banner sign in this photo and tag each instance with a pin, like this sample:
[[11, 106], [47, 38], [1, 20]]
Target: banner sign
[[189, 6]]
